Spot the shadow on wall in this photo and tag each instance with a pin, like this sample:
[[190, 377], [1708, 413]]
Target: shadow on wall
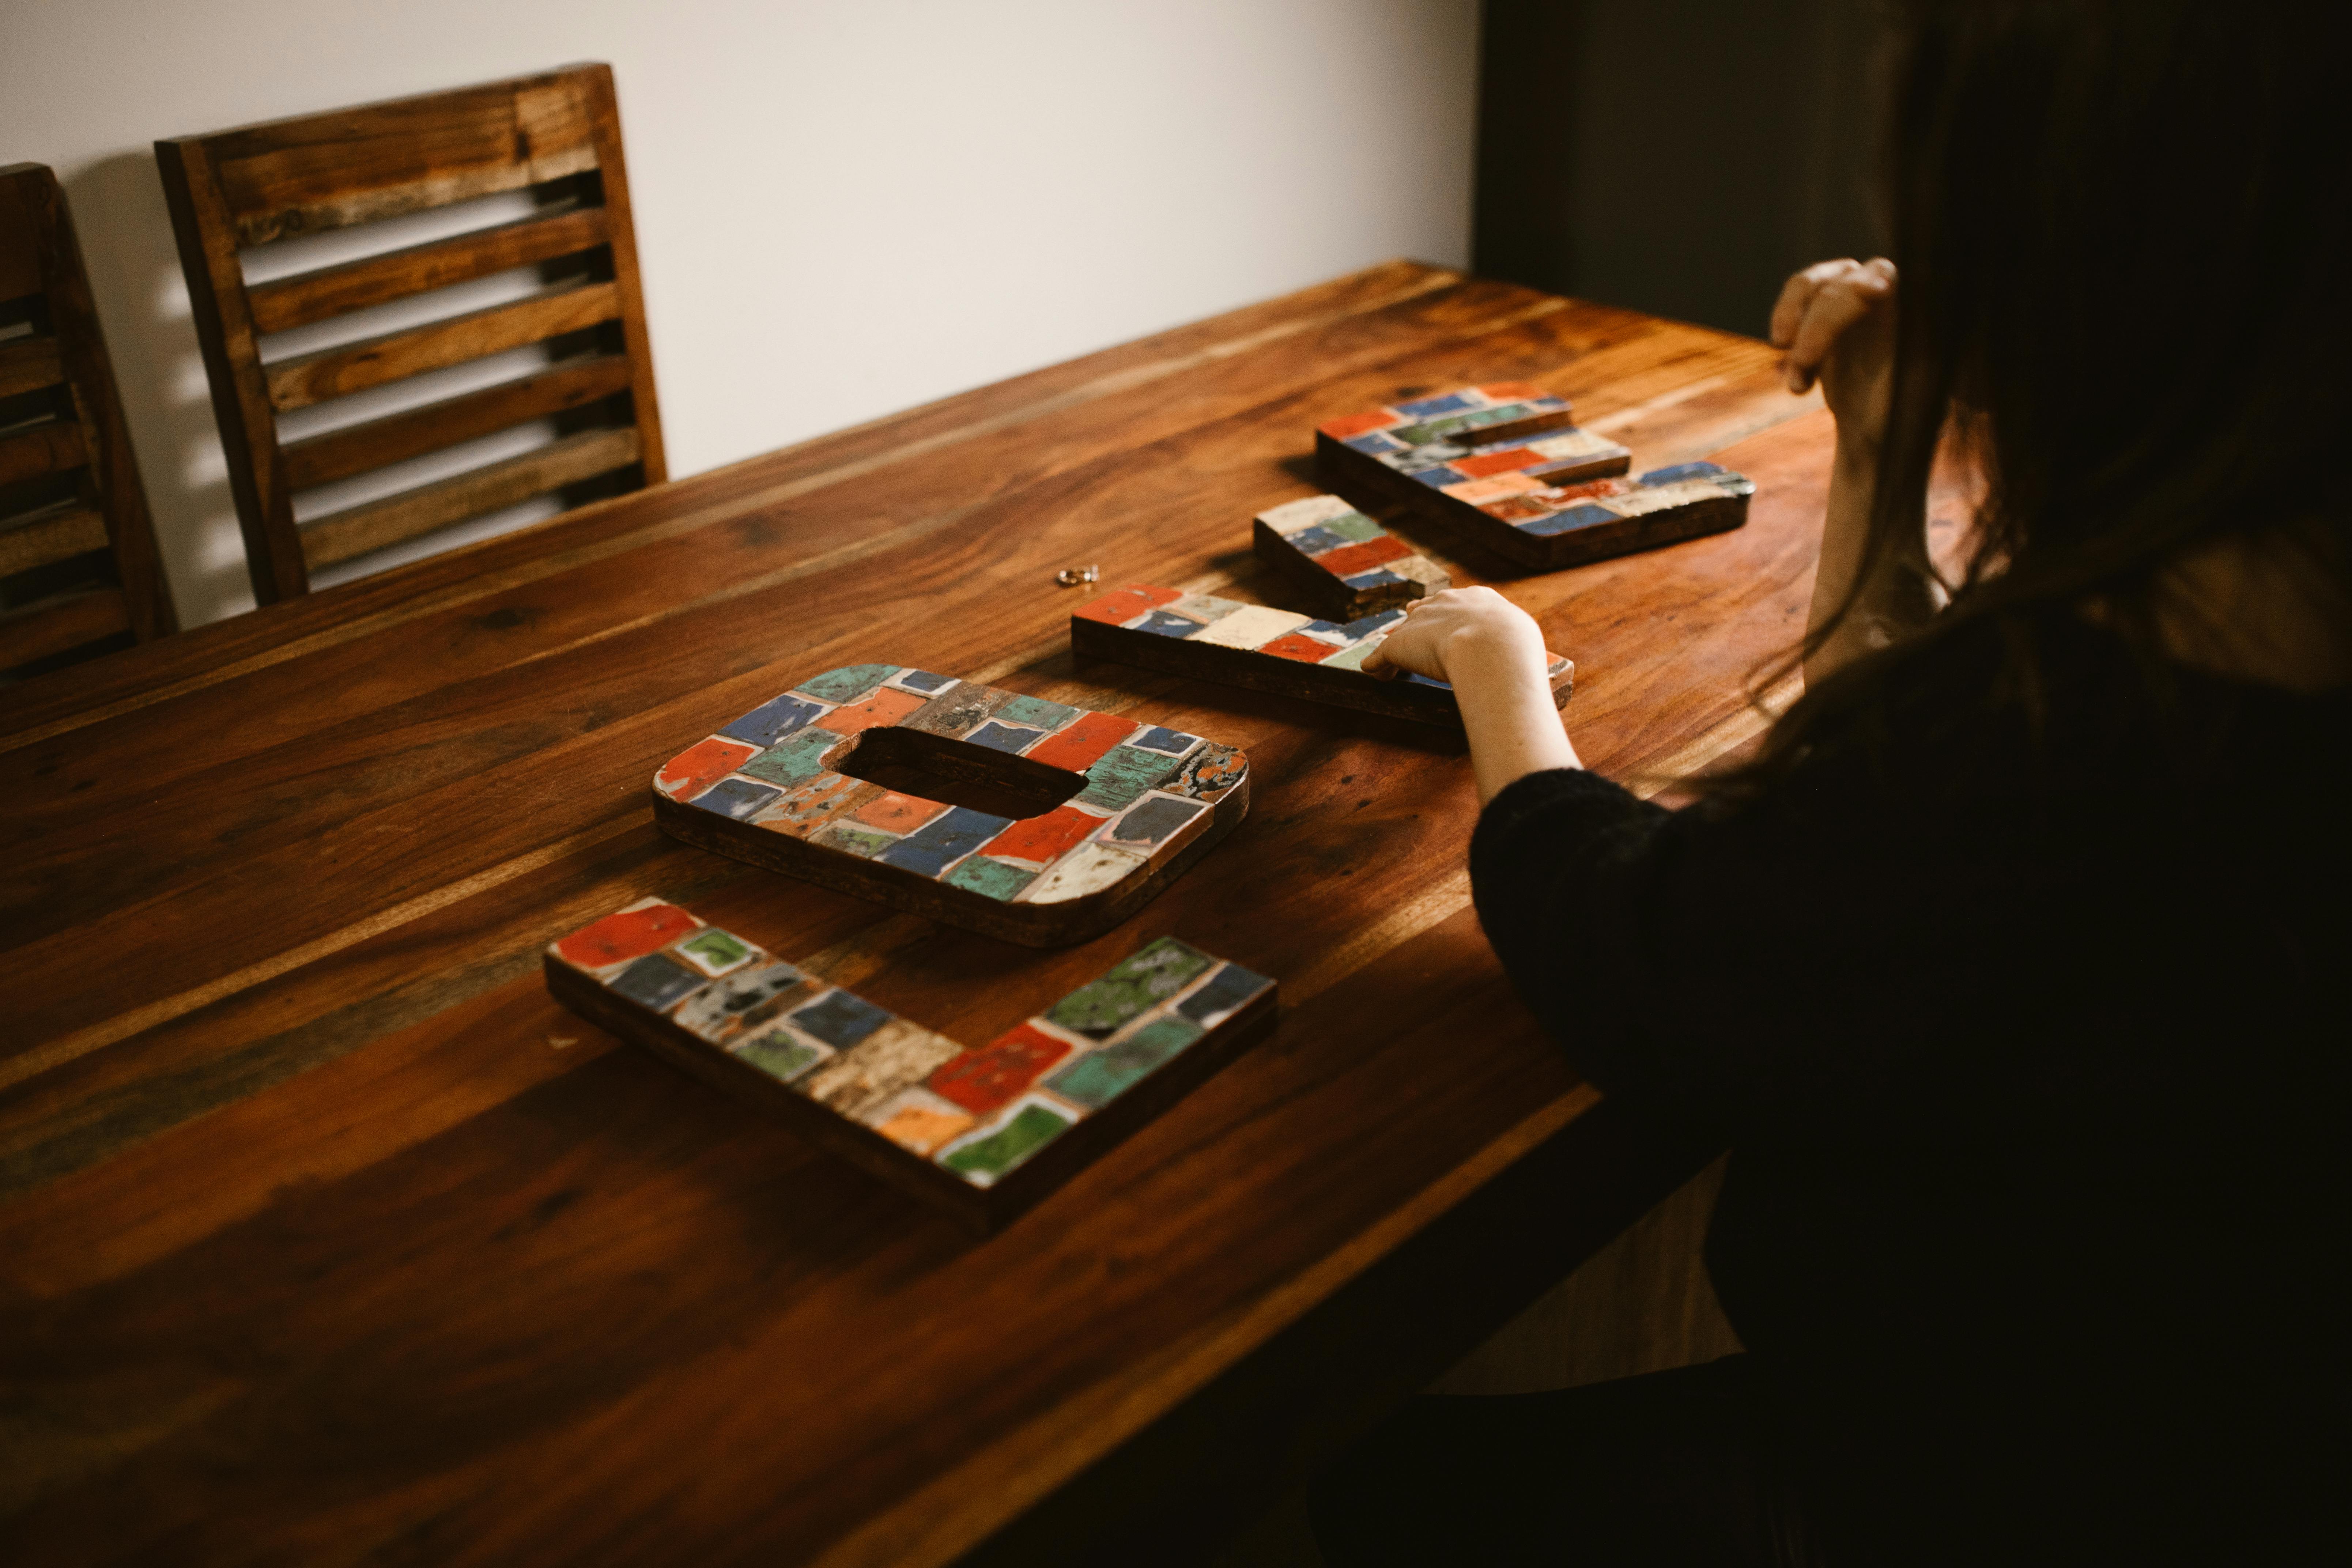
[[118, 205], [1675, 156]]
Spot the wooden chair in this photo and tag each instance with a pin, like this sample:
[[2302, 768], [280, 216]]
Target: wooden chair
[[78, 570], [558, 135]]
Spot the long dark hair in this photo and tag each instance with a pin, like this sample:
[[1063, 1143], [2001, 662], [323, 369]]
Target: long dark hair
[[2124, 283]]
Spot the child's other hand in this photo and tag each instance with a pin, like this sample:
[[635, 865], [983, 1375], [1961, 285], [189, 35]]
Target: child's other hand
[[1456, 633], [1836, 322]]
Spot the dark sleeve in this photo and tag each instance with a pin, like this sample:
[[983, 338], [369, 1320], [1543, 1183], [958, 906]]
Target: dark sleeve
[[1663, 949]]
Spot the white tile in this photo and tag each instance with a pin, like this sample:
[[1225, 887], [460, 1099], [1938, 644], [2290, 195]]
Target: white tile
[[1088, 869], [1252, 625]]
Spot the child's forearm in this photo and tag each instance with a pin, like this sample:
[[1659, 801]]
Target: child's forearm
[[1508, 711]]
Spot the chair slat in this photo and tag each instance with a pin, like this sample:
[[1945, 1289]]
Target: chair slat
[[88, 439], [315, 296], [340, 454], [43, 449], [25, 545], [334, 372], [380, 160], [362, 529], [29, 364], [67, 621]]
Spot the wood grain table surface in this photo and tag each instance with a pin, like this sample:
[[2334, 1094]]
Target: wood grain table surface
[[326, 1237]]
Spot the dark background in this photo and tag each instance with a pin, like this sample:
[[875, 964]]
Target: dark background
[[1676, 156]]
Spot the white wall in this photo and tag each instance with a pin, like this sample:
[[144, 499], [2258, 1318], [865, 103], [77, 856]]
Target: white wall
[[844, 207]]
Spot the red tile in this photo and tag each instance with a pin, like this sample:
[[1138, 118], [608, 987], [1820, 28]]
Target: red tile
[[1588, 492], [1039, 839], [1521, 509], [1360, 424], [887, 706], [1301, 647], [1478, 468], [1513, 391], [1126, 603], [899, 813], [697, 768], [1079, 745], [632, 933], [983, 1079], [1351, 559]]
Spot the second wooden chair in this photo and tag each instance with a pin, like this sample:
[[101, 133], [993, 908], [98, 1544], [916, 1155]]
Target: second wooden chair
[[233, 191]]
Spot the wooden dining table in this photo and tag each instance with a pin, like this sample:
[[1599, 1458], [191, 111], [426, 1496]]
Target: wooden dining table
[[326, 1236]]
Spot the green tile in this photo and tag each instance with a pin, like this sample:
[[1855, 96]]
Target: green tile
[[800, 758], [1100, 1076], [1130, 989], [780, 1055], [1123, 773], [1355, 526], [848, 683], [862, 842], [716, 949], [992, 878], [1037, 710], [1018, 1139], [1351, 657]]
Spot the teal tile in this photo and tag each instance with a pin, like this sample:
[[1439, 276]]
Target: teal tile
[[1100, 1076], [798, 760], [992, 878], [1123, 773], [1129, 989], [1037, 710], [847, 683], [1018, 1139]]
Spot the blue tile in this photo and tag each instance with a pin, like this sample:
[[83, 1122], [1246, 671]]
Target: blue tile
[[943, 840], [1166, 625], [1379, 577], [1375, 442], [999, 737], [1682, 471], [840, 1019], [1324, 628], [1168, 743], [1153, 820], [1439, 475], [924, 681], [1583, 516], [1428, 405], [764, 726], [1359, 630], [1226, 990], [656, 982], [1411, 679], [1315, 541], [738, 798]]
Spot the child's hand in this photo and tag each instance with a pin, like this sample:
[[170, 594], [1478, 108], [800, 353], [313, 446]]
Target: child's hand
[[1462, 632]]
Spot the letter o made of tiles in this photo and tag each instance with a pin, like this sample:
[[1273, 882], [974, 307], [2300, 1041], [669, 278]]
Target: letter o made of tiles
[[1144, 802]]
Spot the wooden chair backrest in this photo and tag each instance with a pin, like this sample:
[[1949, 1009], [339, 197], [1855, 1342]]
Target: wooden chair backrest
[[235, 191], [78, 563]]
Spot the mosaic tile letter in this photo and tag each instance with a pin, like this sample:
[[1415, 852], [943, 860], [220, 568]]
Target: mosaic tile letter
[[1345, 565], [982, 1131], [1266, 651], [1143, 801], [1500, 467]]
